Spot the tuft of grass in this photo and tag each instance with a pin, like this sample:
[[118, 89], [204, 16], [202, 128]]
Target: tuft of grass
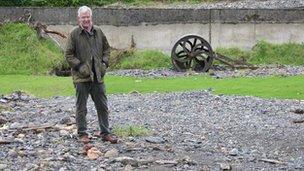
[[130, 130], [233, 53], [145, 59], [21, 52], [286, 53], [268, 53]]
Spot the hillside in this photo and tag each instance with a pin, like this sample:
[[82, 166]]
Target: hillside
[[21, 52]]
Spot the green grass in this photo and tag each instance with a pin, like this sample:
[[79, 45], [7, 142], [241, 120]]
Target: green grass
[[130, 130], [268, 53], [233, 52], [286, 53], [40, 86], [266, 87], [22, 53], [143, 59]]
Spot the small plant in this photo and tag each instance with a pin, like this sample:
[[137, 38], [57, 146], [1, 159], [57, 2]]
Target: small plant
[[131, 130]]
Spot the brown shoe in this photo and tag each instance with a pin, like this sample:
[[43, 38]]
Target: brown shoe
[[108, 137], [85, 139]]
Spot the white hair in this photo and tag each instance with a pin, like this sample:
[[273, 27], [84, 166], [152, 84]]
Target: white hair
[[84, 9]]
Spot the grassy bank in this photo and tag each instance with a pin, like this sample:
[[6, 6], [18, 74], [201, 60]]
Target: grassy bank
[[266, 87], [268, 53], [21, 52]]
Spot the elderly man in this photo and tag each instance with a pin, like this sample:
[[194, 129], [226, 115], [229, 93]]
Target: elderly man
[[87, 53]]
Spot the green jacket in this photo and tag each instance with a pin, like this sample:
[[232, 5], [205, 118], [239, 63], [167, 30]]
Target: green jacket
[[82, 49]]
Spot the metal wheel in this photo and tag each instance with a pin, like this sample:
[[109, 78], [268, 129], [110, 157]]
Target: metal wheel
[[192, 52]]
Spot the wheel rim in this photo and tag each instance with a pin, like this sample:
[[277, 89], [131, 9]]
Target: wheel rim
[[192, 52]]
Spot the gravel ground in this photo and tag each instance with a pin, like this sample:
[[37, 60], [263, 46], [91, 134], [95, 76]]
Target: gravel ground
[[234, 4], [189, 131], [217, 72]]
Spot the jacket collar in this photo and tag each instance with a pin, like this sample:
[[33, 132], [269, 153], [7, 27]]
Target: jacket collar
[[82, 30]]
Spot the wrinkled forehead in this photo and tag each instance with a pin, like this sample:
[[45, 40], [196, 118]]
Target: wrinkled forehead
[[85, 13]]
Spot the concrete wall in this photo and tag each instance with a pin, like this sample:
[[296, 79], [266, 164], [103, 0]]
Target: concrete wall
[[161, 28], [247, 35]]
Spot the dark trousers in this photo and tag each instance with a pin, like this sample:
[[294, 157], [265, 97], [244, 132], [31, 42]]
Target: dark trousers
[[97, 92]]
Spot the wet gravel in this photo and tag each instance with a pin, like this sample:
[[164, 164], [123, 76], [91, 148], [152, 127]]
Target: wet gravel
[[189, 131], [217, 72]]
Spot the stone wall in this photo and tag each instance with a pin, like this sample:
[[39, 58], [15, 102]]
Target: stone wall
[[161, 28], [139, 16]]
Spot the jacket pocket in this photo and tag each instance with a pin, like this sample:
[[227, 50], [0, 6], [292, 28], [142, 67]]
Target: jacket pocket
[[84, 71], [103, 69]]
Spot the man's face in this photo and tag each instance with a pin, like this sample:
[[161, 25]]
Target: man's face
[[85, 19]]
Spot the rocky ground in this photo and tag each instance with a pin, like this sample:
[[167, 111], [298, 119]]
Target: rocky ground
[[188, 131], [217, 72], [232, 4]]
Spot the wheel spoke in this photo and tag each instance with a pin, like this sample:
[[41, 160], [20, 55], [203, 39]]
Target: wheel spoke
[[183, 44], [188, 64], [181, 56], [194, 43], [192, 52], [180, 52], [197, 47], [191, 45], [207, 53], [184, 59]]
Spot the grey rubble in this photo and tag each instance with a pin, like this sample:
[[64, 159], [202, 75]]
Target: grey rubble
[[217, 72], [198, 130]]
